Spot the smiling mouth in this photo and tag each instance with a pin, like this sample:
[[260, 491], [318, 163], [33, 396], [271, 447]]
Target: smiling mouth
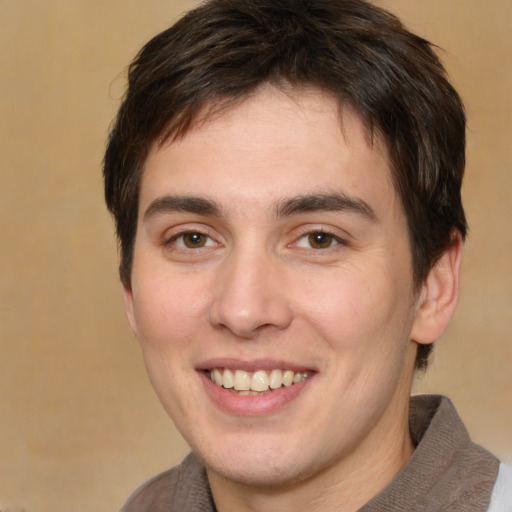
[[255, 383]]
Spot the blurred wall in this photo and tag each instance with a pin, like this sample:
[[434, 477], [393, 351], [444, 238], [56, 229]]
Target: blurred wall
[[79, 425]]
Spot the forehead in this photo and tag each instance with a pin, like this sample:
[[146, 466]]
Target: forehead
[[288, 139]]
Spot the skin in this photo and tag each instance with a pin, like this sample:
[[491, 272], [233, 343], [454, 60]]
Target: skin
[[248, 289]]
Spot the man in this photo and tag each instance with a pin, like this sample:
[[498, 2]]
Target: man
[[285, 178]]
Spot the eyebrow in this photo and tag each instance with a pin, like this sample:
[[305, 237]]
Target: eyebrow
[[190, 204], [293, 206], [325, 202]]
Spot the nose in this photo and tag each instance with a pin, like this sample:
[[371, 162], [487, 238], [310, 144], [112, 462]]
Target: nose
[[250, 296]]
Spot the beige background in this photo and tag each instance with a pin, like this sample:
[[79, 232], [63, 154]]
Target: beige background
[[79, 425]]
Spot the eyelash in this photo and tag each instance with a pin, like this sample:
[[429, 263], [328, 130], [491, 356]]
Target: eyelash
[[172, 241], [332, 240]]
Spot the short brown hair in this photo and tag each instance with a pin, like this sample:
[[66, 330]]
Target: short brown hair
[[224, 50]]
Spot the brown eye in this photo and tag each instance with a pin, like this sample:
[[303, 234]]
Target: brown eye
[[320, 240], [194, 240], [191, 240]]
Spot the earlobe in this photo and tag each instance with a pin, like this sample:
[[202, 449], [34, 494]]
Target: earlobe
[[439, 295], [128, 307]]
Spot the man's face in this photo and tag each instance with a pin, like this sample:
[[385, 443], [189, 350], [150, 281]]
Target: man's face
[[271, 245]]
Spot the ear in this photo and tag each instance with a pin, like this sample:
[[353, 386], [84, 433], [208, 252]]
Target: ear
[[439, 295], [129, 308]]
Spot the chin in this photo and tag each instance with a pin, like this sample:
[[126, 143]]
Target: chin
[[269, 467], [273, 475]]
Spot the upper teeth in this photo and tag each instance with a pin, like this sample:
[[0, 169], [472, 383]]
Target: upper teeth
[[259, 381]]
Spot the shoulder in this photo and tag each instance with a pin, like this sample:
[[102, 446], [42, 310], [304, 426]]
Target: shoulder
[[172, 488]]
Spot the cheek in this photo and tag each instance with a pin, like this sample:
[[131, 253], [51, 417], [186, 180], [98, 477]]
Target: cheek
[[167, 310], [360, 316]]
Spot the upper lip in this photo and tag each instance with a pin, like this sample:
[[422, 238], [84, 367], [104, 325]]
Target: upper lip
[[252, 365]]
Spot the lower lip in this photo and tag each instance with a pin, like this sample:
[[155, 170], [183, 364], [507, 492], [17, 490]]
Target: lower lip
[[252, 405]]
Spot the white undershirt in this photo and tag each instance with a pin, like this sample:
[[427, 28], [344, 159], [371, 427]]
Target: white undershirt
[[501, 499]]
